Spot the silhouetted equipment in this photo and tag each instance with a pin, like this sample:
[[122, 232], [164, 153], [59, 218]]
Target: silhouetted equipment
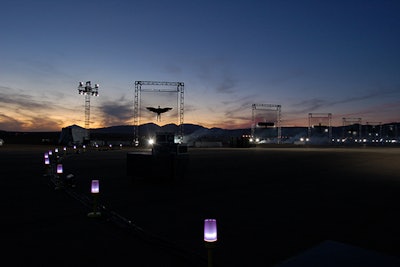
[[266, 124], [158, 111], [167, 160]]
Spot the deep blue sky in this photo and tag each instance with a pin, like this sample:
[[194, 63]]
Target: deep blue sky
[[339, 57]]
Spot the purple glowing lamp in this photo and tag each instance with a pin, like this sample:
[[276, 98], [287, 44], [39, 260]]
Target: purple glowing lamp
[[59, 168], [95, 189], [210, 230], [46, 161]]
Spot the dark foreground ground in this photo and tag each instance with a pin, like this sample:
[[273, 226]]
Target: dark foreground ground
[[270, 204]]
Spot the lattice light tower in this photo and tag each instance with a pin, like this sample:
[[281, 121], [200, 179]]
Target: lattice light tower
[[320, 124], [271, 118], [351, 128], [158, 87], [87, 90]]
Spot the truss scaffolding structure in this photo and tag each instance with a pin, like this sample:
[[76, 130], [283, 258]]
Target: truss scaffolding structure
[[320, 123], [157, 87], [274, 120]]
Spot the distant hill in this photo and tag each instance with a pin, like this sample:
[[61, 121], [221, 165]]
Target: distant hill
[[193, 133]]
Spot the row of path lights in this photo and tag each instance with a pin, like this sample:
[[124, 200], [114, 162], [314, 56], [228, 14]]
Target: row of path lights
[[210, 225], [54, 169]]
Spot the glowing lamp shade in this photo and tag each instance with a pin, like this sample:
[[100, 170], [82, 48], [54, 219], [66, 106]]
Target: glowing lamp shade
[[56, 150], [95, 187], [46, 155], [210, 230], [59, 168], [46, 161]]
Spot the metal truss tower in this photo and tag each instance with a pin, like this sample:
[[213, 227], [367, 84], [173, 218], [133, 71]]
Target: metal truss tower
[[87, 90], [276, 122], [157, 87], [319, 118]]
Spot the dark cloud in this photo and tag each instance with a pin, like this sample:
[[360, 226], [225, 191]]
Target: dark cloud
[[116, 112], [310, 105], [217, 73], [226, 86], [20, 100], [173, 69], [8, 123], [35, 123]]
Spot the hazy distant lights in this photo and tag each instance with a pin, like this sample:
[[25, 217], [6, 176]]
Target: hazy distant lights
[[304, 139], [255, 140], [151, 141]]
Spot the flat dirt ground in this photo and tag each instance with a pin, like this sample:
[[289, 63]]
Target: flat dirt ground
[[270, 205]]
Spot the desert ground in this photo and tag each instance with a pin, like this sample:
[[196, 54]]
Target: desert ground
[[270, 203]]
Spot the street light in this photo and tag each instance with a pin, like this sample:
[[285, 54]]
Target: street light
[[87, 90]]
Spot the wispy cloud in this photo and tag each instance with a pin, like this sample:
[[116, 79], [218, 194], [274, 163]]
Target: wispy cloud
[[119, 112], [9, 97], [310, 105]]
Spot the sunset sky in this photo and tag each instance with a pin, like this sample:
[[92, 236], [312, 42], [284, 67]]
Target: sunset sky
[[339, 57]]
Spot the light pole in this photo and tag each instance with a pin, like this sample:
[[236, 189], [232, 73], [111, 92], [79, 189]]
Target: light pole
[[87, 90]]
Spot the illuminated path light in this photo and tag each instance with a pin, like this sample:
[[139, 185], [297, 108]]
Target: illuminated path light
[[210, 230], [210, 237], [48, 170], [57, 176], [95, 190]]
